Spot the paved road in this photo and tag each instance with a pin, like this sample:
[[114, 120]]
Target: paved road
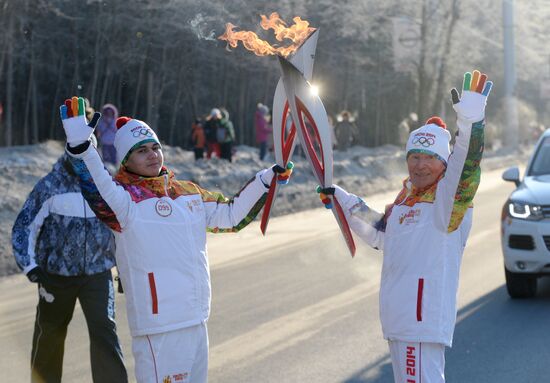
[[294, 307]]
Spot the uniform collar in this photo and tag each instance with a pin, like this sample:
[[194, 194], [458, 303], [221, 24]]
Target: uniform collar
[[126, 177]]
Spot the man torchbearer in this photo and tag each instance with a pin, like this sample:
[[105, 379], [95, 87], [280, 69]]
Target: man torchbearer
[[423, 234]]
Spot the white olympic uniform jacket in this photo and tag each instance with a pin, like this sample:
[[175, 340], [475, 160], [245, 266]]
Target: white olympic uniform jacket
[[423, 235], [160, 228]]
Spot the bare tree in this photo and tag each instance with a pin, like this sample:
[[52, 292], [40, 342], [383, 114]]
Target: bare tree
[[159, 61]]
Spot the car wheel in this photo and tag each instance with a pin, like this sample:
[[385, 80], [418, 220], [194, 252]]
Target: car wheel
[[520, 285]]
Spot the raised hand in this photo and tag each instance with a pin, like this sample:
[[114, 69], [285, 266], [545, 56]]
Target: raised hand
[[73, 117], [470, 107]]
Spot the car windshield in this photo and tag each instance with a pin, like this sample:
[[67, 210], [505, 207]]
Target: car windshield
[[541, 162]]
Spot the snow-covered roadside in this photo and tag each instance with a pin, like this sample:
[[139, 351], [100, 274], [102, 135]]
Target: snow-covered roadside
[[364, 171]]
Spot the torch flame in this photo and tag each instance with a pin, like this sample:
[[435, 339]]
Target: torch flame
[[297, 33]]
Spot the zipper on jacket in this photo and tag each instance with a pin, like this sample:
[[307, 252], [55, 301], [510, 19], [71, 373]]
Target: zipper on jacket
[[166, 184], [419, 299], [85, 234], [154, 299]]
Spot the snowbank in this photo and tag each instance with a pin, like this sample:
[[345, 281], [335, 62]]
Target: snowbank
[[363, 171]]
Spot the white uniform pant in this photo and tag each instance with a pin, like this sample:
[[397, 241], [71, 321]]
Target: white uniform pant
[[179, 356], [415, 362]]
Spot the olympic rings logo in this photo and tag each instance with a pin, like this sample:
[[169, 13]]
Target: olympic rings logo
[[424, 141], [143, 132]]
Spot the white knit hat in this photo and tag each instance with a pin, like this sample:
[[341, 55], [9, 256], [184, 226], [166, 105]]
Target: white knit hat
[[130, 134], [215, 113], [432, 138]]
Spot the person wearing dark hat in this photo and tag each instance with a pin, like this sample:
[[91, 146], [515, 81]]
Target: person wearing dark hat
[[423, 234], [160, 226], [226, 136], [68, 252], [211, 126], [346, 131]]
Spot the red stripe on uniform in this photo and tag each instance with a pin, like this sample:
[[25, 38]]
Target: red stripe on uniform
[[419, 299], [153, 293]]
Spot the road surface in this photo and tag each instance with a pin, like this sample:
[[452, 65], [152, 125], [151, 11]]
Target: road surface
[[294, 307]]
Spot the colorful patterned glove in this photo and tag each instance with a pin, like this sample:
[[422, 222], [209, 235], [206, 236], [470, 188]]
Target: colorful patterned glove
[[283, 175], [323, 195], [470, 107], [73, 117]]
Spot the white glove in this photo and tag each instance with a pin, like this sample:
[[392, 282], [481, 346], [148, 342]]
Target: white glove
[[470, 107], [77, 129]]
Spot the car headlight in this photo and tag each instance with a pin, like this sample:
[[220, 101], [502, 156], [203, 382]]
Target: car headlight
[[525, 211]]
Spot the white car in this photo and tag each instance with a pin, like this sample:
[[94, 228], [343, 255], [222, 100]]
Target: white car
[[525, 223]]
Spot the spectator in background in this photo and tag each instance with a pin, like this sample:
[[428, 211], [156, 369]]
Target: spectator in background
[[60, 244], [89, 113], [106, 130], [405, 128], [198, 139], [89, 110], [346, 131], [213, 122], [263, 128], [226, 136]]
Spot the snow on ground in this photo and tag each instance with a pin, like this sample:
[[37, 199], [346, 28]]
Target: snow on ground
[[363, 171]]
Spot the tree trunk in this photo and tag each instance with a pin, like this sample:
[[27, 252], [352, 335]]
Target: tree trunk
[[105, 87], [379, 90], [118, 95], [345, 89], [440, 85], [423, 79], [161, 83], [138, 86], [225, 90], [26, 128], [242, 110], [34, 114], [76, 74], [3, 55], [265, 87], [54, 122], [249, 131], [8, 137], [97, 64], [150, 97], [174, 117]]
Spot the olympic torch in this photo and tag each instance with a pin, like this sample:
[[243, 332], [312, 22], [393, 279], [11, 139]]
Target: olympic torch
[[312, 127], [284, 130], [297, 112]]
